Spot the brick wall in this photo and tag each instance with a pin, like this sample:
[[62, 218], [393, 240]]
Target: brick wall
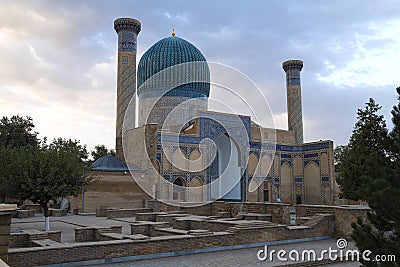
[[344, 216], [91, 234], [25, 238], [26, 257], [123, 213], [6, 212], [280, 212], [116, 190]]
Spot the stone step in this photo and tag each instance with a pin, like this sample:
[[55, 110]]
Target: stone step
[[113, 235], [199, 232], [172, 231], [45, 243], [236, 228], [318, 210], [137, 237]]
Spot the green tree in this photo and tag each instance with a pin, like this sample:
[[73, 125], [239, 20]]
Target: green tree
[[50, 172], [17, 132], [100, 151], [71, 145], [10, 160], [338, 154], [380, 233], [394, 141], [365, 157]]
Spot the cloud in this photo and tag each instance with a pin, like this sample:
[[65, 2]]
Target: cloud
[[374, 56], [58, 58]]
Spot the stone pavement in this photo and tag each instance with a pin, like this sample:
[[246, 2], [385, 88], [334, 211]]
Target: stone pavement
[[238, 257]]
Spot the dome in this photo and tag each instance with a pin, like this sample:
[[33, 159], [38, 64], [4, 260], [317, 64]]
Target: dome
[[169, 52], [109, 163]]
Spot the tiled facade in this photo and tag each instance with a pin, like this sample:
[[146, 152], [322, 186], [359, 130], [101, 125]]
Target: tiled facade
[[300, 173], [127, 30], [276, 162]]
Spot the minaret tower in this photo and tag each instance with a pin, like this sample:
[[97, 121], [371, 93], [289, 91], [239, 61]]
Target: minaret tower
[[294, 107], [127, 30]]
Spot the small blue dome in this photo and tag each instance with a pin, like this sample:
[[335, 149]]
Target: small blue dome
[[169, 52], [109, 163]]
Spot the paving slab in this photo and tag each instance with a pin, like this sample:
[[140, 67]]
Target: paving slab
[[236, 257]]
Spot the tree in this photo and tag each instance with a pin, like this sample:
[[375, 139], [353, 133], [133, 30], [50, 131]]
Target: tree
[[100, 151], [380, 233], [338, 154], [17, 132], [10, 160], [71, 145], [394, 135], [365, 157], [51, 171]]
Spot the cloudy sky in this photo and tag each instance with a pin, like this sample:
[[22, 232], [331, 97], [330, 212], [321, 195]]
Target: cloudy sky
[[58, 58]]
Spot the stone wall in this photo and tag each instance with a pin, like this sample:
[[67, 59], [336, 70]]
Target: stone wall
[[25, 257], [93, 233], [26, 238], [280, 212], [124, 213], [36, 207], [344, 216], [303, 210], [6, 212], [325, 221], [116, 190]]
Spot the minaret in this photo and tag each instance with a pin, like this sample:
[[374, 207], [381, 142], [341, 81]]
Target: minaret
[[293, 87], [127, 30]]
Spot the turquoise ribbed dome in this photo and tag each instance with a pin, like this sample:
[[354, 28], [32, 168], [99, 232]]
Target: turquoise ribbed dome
[[109, 163], [169, 52]]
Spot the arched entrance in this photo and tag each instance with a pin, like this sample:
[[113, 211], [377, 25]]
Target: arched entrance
[[253, 196], [179, 189], [227, 184], [286, 183], [196, 190], [312, 183], [299, 193], [267, 191]]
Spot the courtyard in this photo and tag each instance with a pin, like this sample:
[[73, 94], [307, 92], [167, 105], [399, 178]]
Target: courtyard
[[223, 234]]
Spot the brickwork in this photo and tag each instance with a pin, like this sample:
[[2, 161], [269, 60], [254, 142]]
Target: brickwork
[[25, 213], [295, 116], [180, 241], [6, 212], [36, 207], [176, 231], [127, 30], [93, 233], [114, 190], [26, 238], [147, 228], [344, 216], [123, 213], [280, 212], [57, 212], [147, 216]]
